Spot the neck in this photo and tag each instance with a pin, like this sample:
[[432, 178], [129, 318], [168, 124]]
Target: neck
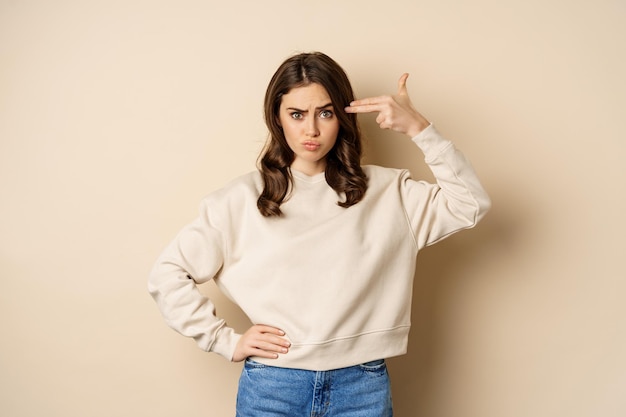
[[310, 169]]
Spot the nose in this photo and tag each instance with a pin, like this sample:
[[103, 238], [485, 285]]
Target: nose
[[311, 127]]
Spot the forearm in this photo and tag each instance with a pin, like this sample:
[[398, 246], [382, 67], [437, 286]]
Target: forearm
[[194, 257], [458, 201], [187, 311]]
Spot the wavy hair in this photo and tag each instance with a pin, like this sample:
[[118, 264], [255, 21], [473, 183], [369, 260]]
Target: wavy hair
[[343, 162]]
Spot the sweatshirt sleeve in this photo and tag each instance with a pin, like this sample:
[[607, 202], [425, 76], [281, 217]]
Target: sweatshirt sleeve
[[195, 256], [458, 200]]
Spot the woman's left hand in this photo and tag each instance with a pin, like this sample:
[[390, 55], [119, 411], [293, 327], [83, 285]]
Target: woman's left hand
[[394, 112]]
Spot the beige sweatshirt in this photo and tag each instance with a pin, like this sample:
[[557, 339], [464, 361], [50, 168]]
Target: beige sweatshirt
[[338, 281]]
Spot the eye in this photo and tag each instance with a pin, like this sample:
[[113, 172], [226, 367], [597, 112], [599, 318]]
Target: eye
[[296, 115], [326, 114]]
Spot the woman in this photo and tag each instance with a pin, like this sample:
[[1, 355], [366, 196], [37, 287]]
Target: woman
[[317, 250]]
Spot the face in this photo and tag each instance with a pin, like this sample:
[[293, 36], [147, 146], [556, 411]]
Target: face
[[310, 126]]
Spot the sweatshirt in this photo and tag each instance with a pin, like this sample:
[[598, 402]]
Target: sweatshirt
[[338, 281]]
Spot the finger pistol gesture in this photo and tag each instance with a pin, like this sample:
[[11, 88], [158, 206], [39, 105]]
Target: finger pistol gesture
[[394, 112]]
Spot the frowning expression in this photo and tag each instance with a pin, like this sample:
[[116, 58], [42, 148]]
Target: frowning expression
[[310, 125]]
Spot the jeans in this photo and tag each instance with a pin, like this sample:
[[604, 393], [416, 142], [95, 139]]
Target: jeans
[[357, 391]]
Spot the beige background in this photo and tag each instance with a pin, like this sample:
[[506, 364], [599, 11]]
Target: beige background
[[117, 117]]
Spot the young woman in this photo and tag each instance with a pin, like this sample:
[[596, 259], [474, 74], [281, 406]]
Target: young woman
[[317, 250]]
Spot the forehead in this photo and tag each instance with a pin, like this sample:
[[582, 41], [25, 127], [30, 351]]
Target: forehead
[[312, 95]]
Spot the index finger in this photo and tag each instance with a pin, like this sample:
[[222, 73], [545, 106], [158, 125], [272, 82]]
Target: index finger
[[366, 108], [366, 105]]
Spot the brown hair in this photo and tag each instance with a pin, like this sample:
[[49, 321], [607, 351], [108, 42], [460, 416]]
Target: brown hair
[[343, 162]]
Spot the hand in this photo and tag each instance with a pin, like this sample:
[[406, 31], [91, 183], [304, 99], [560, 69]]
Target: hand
[[394, 112], [262, 341]]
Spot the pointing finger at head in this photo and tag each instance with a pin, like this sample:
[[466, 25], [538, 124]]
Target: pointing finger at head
[[362, 108], [368, 105], [369, 101]]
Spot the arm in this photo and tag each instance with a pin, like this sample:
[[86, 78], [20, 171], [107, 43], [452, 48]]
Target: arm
[[457, 201], [195, 256]]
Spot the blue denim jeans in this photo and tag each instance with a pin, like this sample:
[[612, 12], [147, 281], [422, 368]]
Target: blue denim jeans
[[356, 391]]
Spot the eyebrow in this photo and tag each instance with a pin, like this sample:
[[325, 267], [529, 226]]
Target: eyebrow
[[317, 108]]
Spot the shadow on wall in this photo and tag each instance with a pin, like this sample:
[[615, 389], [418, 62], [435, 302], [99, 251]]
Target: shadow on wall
[[441, 270], [456, 268], [447, 272]]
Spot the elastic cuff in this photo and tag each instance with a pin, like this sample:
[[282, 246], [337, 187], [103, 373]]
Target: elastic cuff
[[430, 141], [225, 343]]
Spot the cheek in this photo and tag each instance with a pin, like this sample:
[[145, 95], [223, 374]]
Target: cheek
[[290, 131], [333, 129]]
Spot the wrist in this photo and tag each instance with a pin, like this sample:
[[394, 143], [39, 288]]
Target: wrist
[[416, 128]]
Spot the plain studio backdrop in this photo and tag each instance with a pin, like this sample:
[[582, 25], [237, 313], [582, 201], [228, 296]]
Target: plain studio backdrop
[[117, 117]]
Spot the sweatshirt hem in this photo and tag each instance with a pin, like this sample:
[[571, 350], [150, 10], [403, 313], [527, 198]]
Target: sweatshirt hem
[[343, 352]]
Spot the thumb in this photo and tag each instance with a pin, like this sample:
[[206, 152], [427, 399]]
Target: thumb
[[402, 91]]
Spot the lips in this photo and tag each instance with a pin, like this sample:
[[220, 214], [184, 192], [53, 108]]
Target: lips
[[310, 145]]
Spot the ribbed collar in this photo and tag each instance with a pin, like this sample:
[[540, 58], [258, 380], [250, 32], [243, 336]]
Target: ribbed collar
[[308, 178]]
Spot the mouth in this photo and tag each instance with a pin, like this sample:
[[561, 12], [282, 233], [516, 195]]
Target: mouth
[[310, 145]]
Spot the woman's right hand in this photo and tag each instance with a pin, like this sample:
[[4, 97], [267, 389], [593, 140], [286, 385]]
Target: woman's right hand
[[394, 112], [262, 341]]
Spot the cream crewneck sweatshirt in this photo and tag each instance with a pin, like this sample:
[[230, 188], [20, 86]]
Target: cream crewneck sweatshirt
[[338, 281]]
